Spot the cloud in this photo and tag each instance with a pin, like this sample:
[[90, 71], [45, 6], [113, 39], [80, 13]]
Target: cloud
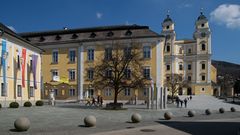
[[12, 28], [99, 15], [227, 14]]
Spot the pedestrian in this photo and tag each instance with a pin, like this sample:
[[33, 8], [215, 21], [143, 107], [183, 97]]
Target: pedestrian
[[101, 101], [88, 101], [190, 97], [98, 100], [181, 102], [177, 101], [93, 101], [185, 102]]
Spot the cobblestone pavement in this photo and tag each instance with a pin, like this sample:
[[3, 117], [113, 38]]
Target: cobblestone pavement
[[67, 118]]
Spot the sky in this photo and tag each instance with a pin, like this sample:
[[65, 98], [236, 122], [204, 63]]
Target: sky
[[42, 15]]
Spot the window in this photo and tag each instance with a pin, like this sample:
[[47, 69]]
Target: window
[[90, 54], [127, 73], [189, 78], [3, 91], [31, 91], [109, 73], [168, 67], [72, 74], [180, 51], [145, 91], [72, 55], [168, 48], [203, 47], [202, 24], [180, 67], [108, 53], [108, 92], [18, 63], [31, 64], [203, 77], [91, 93], [19, 91], [203, 66], [55, 56], [189, 67], [168, 27], [55, 92], [127, 52], [189, 51], [127, 92], [90, 74], [71, 92], [54, 73], [146, 52], [203, 89], [168, 78], [146, 72]]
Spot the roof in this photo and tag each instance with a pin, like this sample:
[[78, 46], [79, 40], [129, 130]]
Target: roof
[[5, 29], [168, 19], [201, 17], [82, 30], [90, 34], [185, 41]]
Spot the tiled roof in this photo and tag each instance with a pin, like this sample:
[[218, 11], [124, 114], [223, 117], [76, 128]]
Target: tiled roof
[[5, 29], [89, 34]]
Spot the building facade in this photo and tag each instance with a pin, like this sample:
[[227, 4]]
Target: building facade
[[70, 54], [190, 58], [20, 68]]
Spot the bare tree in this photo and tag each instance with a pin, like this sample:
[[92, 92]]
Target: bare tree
[[174, 82], [119, 69]]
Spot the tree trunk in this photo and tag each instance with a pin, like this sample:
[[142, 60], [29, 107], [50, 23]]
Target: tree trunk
[[172, 97], [115, 96]]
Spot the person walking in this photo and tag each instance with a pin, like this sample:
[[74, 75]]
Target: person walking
[[181, 102], [101, 101], [98, 100], [88, 101], [185, 102], [190, 97], [93, 101], [177, 101]]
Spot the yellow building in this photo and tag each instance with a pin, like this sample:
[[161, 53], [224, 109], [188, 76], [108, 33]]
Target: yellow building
[[70, 55], [20, 68]]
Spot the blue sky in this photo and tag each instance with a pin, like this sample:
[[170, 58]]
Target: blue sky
[[41, 15]]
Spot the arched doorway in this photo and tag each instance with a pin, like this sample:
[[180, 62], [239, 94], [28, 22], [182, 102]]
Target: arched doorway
[[189, 91]]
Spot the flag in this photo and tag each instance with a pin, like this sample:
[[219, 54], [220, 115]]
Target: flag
[[4, 57], [23, 66], [34, 69]]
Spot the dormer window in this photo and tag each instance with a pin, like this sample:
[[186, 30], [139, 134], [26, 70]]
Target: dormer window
[[58, 37], [128, 33], [167, 27], [202, 24], [74, 36], [110, 34], [42, 39], [93, 35]]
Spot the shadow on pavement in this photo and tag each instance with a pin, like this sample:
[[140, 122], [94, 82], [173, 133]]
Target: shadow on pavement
[[205, 128]]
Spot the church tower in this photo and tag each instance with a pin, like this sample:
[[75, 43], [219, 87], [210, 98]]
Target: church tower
[[202, 35]]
